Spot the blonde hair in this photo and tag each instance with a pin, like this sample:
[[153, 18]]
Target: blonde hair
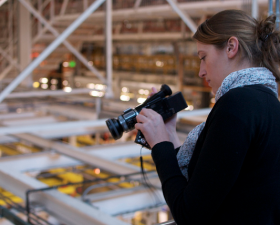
[[258, 40]]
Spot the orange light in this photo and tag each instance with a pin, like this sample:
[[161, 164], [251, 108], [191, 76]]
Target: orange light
[[97, 171], [35, 54]]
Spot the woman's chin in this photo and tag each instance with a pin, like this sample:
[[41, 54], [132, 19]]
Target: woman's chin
[[214, 91]]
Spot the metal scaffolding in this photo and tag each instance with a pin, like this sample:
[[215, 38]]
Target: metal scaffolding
[[28, 70]]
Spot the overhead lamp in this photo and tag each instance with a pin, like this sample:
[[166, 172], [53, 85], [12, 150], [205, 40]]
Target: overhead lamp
[[36, 84], [90, 85], [67, 89], [124, 89], [124, 98], [96, 93], [44, 86], [44, 80], [54, 81]]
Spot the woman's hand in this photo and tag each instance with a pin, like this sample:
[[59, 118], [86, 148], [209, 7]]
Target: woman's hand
[[152, 126], [170, 126], [170, 123]]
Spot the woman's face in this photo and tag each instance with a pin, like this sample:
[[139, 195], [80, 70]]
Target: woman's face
[[213, 65]]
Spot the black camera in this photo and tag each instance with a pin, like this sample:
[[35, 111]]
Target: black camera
[[165, 106]]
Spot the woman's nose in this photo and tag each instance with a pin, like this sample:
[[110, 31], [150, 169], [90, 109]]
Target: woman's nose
[[201, 73]]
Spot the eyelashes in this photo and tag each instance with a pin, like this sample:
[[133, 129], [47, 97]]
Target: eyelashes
[[202, 58]]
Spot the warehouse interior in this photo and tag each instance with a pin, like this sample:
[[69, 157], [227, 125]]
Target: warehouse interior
[[66, 66]]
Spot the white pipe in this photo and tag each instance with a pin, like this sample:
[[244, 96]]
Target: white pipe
[[187, 20], [66, 43], [270, 8], [255, 9], [137, 4], [32, 94], [28, 70], [109, 54], [100, 124]]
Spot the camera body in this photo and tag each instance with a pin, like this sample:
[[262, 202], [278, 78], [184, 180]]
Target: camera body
[[165, 106]]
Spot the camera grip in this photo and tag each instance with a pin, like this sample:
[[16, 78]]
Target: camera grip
[[140, 139]]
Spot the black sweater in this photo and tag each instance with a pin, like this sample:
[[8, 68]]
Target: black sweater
[[235, 168]]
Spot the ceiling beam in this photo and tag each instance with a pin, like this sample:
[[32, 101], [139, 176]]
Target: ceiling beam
[[183, 15]]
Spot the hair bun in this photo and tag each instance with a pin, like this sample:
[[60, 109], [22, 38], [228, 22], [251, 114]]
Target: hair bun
[[266, 27]]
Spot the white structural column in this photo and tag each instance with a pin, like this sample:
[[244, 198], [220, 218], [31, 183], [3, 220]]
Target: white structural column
[[109, 54], [270, 7], [255, 9], [25, 42], [137, 4], [50, 49], [66, 43], [185, 17]]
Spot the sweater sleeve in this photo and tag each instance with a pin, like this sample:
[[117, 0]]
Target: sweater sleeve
[[217, 168]]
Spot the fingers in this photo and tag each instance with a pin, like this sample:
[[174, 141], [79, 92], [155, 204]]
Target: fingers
[[146, 118], [139, 126], [154, 90], [141, 118], [148, 113]]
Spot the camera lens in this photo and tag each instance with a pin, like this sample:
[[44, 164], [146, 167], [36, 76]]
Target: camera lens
[[115, 128], [166, 90]]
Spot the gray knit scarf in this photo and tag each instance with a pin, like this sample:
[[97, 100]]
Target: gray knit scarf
[[250, 76]]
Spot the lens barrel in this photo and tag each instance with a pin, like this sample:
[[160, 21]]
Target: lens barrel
[[166, 90], [115, 128]]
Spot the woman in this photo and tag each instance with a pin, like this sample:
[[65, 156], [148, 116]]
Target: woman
[[228, 170]]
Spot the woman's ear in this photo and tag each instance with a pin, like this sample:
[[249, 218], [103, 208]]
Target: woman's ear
[[232, 47]]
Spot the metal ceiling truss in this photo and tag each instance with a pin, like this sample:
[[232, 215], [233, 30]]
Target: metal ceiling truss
[[28, 70], [66, 43]]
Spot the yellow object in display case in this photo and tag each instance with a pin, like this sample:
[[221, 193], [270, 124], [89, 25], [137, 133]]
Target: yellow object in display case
[[51, 181], [69, 190], [8, 197], [148, 163], [8, 151], [85, 140]]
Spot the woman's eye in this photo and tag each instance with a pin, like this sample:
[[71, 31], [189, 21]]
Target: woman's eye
[[202, 58]]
